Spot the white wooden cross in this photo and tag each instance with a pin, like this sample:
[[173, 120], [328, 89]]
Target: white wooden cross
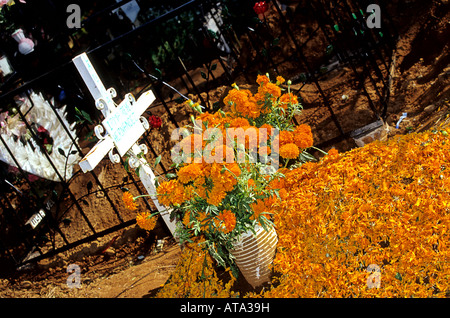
[[120, 130]]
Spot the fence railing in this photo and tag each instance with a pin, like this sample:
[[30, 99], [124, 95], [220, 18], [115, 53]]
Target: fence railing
[[196, 47]]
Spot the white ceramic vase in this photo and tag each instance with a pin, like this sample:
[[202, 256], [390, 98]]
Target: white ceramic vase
[[254, 255], [26, 45]]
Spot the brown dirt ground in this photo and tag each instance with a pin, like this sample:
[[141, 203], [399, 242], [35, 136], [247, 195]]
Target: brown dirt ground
[[117, 274], [110, 266]]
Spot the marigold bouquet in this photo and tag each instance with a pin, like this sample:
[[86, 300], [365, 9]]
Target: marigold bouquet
[[228, 166]]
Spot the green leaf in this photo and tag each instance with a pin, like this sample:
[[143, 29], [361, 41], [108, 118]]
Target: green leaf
[[126, 164], [305, 156], [137, 170], [171, 176], [61, 152], [157, 161], [192, 119], [86, 116], [234, 270], [90, 136], [213, 34], [329, 49]]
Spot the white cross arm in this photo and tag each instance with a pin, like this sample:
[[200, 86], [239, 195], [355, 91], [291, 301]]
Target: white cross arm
[[96, 154], [145, 100]]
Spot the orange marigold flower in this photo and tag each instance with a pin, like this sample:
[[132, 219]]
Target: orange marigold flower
[[303, 136], [128, 199], [178, 195], [288, 98], [238, 100], [264, 150], [189, 192], [200, 181], [333, 152], [239, 122], [186, 219], [165, 192], [277, 183], [285, 137], [283, 194], [201, 192], [262, 79], [247, 136], [146, 221], [270, 88], [207, 117], [216, 195], [189, 172], [258, 208], [234, 168], [226, 221], [253, 110], [280, 80], [303, 129], [268, 129], [224, 152], [269, 202], [202, 218], [260, 99], [289, 151]]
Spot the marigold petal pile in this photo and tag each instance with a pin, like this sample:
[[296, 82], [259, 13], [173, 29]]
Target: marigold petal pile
[[372, 222]]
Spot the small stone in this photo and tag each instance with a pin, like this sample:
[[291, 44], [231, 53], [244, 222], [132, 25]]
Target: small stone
[[26, 284], [100, 194], [430, 108]]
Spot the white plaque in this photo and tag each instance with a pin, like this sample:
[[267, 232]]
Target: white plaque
[[124, 127]]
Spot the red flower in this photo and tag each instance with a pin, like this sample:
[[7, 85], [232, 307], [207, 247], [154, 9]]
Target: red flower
[[260, 7], [42, 130], [32, 177], [155, 121]]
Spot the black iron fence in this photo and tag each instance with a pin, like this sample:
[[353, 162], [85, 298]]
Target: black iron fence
[[196, 46]]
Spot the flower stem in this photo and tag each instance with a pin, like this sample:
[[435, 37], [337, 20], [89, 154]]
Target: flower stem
[[325, 153]]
